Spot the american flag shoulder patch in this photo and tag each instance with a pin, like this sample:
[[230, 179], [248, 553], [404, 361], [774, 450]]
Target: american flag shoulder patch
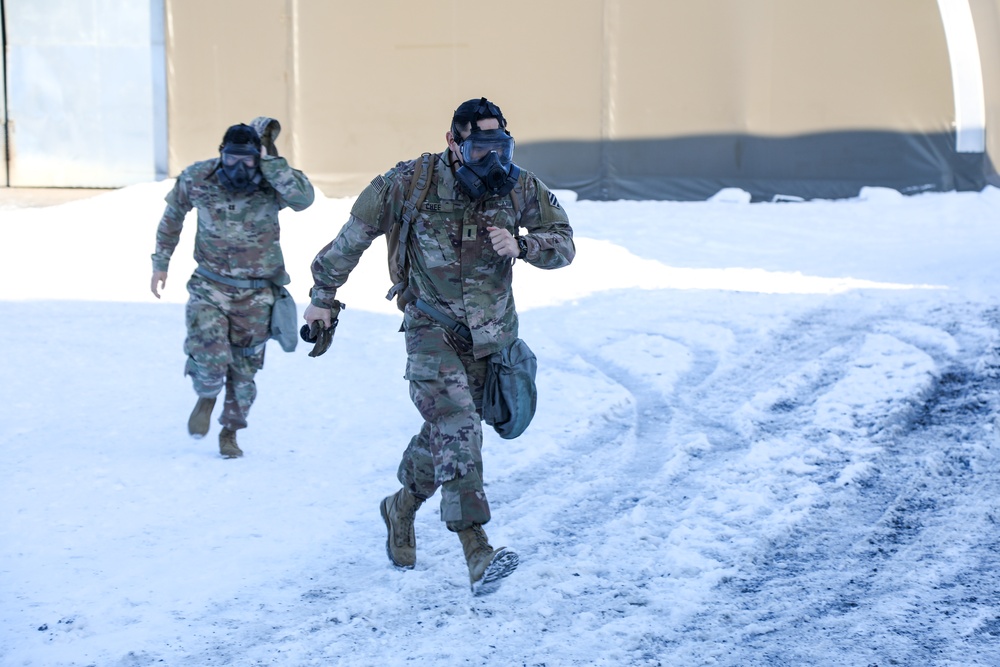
[[553, 201], [379, 183]]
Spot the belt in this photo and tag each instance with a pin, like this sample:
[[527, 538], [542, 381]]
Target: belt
[[441, 318], [252, 283]]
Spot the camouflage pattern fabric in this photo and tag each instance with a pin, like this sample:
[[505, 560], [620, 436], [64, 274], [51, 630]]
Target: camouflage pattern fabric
[[268, 130], [454, 268], [220, 317], [238, 237], [446, 386], [238, 233], [452, 263]]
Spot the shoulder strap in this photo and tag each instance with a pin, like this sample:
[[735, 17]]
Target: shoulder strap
[[416, 193], [515, 200]]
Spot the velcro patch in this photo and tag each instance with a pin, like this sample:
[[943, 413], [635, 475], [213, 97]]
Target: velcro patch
[[379, 183], [553, 201]]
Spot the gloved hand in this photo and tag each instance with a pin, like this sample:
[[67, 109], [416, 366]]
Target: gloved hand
[[268, 130], [320, 336]]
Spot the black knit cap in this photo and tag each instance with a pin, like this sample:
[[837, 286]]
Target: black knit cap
[[471, 111], [241, 135]]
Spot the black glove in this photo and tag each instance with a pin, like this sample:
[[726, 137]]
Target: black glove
[[321, 337]]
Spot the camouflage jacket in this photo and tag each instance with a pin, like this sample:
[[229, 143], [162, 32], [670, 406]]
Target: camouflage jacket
[[238, 234], [453, 266]]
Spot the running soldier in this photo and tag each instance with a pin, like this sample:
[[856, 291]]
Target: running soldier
[[240, 270], [460, 250]]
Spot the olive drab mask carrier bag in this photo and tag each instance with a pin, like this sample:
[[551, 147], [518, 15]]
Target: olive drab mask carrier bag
[[510, 395], [284, 319]]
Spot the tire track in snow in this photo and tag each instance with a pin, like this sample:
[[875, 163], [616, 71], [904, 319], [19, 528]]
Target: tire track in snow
[[635, 484], [892, 569], [632, 445], [819, 352]]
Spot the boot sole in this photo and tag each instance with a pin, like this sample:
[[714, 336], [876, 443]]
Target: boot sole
[[502, 565], [388, 536]]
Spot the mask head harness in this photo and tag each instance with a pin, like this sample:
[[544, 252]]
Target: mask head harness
[[239, 159], [487, 155]]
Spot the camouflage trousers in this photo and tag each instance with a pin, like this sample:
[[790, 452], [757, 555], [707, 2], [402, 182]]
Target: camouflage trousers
[[219, 319], [446, 386]]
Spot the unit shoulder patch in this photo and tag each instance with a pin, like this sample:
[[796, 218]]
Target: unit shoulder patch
[[553, 201]]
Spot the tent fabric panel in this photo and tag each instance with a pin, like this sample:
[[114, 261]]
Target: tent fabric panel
[[372, 97], [227, 63], [986, 16], [649, 99]]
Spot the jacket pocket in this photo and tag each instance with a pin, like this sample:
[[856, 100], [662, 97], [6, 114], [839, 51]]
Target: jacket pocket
[[434, 242]]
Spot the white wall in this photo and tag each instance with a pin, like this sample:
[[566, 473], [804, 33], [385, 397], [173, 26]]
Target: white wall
[[86, 92]]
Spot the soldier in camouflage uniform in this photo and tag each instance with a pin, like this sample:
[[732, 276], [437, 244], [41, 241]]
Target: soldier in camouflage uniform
[[240, 267], [460, 253]]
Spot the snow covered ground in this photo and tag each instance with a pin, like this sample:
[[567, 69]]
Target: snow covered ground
[[765, 436]]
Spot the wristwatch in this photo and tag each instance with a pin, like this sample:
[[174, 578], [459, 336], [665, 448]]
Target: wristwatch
[[523, 247]]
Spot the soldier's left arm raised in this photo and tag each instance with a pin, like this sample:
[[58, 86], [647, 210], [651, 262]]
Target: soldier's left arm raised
[[550, 237], [293, 187]]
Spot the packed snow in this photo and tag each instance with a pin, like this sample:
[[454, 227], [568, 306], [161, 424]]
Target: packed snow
[[765, 436]]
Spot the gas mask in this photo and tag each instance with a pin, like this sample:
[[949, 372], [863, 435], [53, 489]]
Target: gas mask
[[486, 164], [239, 167]]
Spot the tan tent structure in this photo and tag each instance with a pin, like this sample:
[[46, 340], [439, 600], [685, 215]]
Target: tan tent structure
[[665, 99]]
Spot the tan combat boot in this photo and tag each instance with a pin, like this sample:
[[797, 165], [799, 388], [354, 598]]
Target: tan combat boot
[[227, 444], [198, 422], [487, 566], [398, 512]]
